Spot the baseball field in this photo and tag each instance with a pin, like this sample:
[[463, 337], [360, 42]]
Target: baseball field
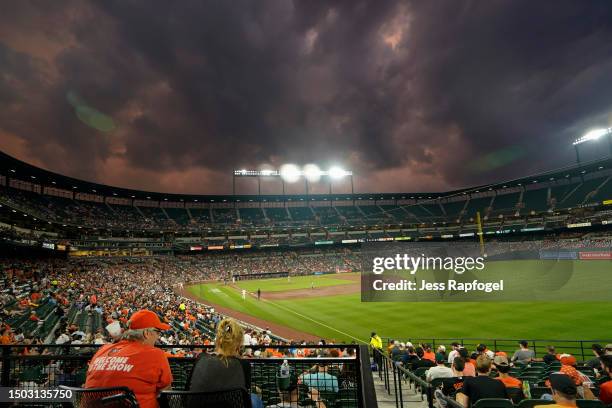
[[330, 306]]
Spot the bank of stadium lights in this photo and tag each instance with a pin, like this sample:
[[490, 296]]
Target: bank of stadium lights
[[593, 135], [291, 173]]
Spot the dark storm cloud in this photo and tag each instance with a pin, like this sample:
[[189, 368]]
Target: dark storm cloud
[[411, 95], [529, 76]]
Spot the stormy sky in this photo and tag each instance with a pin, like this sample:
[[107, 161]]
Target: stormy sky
[[410, 95]]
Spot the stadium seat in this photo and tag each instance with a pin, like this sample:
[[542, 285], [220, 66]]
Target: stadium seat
[[493, 403], [582, 403], [33, 374], [537, 392], [238, 398], [530, 403], [347, 403], [112, 397], [515, 394], [420, 372]]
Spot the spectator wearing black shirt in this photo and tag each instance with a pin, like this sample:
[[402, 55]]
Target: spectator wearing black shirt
[[409, 357], [421, 362], [598, 351], [225, 370], [455, 383], [551, 356], [481, 386]]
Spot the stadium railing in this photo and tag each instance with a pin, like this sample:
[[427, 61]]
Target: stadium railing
[[581, 349], [57, 365], [395, 377]]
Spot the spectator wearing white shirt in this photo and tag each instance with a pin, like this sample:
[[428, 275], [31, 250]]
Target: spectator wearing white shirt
[[454, 352], [440, 370], [247, 338]]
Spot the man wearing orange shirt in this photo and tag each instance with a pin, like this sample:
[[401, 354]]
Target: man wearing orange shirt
[[429, 355], [605, 389], [134, 362], [503, 367]]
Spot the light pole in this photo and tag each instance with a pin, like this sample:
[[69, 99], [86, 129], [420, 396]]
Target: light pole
[[291, 173], [595, 134]]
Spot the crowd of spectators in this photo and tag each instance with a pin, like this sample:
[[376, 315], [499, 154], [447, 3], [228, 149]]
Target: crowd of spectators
[[143, 217], [74, 301], [485, 373]]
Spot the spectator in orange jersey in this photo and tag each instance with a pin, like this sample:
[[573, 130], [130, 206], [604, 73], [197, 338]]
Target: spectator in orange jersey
[[568, 363], [6, 336], [503, 368], [568, 367], [134, 362], [428, 354], [605, 389]]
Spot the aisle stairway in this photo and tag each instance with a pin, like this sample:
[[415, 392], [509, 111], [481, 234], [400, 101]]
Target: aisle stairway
[[387, 400]]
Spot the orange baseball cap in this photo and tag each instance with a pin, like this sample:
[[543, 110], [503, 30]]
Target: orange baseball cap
[[567, 359], [146, 319]]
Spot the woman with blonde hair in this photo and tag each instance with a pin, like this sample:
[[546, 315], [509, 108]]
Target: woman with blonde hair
[[224, 370]]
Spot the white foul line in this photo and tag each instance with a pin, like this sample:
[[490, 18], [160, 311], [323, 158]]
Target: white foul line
[[314, 321]]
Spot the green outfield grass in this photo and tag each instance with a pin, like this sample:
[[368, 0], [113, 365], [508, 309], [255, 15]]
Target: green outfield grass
[[297, 282], [346, 318]]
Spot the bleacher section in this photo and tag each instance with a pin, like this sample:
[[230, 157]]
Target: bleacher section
[[276, 214], [604, 192], [178, 215], [577, 196], [433, 208], [200, 215], [327, 215], [535, 200], [534, 375], [127, 215], [301, 214], [350, 213], [69, 205], [224, 215], [252, 216], [505, 204], [477, 204], [559, 192], [453, 209], [155, 215], [392, 213]]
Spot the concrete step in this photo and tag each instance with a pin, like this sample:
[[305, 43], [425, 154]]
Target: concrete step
[[387, 400]]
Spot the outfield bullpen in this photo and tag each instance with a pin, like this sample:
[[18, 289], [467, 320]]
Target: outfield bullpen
[[345, 318]]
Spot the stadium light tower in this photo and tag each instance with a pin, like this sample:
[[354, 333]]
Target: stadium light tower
[[291, 173], [595, 134]]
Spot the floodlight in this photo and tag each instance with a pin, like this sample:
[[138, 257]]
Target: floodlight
[[312, 173], [336, 172], [290, 173], [593, 135], [267, 172]]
